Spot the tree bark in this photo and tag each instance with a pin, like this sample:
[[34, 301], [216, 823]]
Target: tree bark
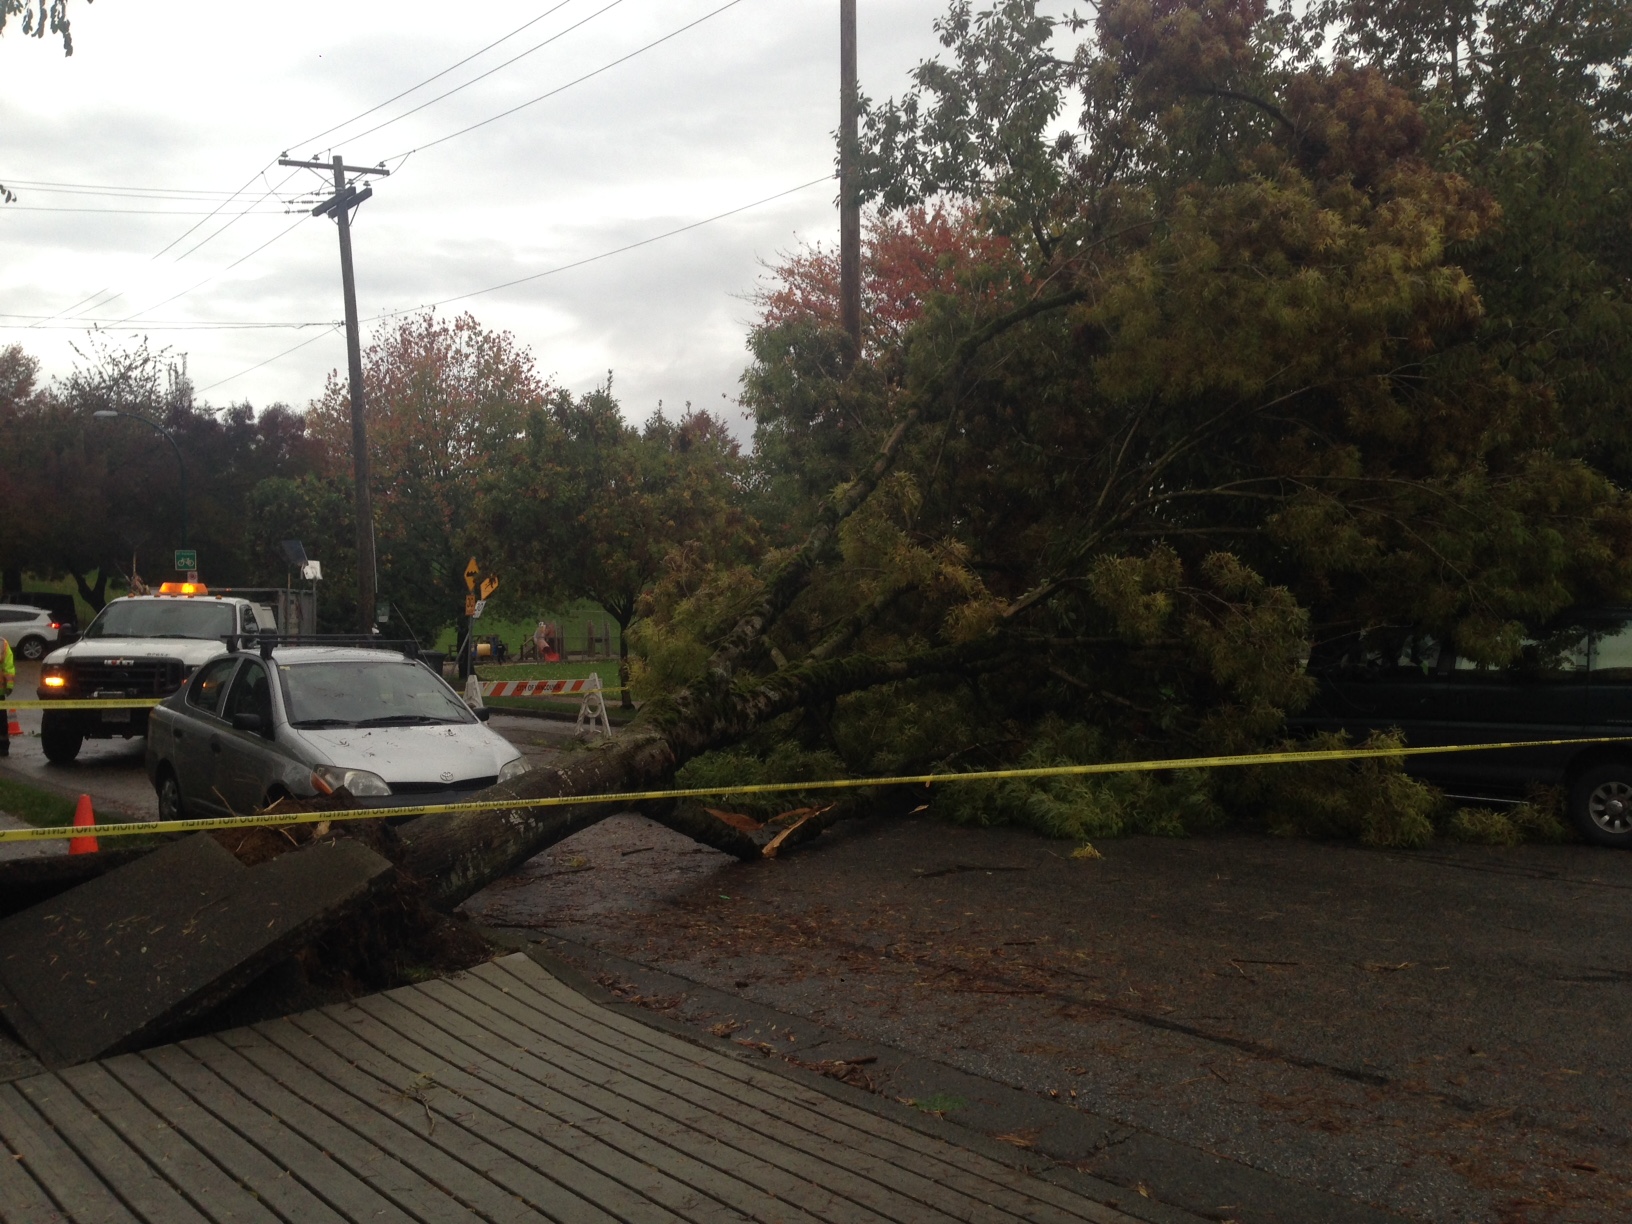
[[457, 854]]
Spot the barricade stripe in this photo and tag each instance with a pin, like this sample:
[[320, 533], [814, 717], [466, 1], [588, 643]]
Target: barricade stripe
[[770, 788]]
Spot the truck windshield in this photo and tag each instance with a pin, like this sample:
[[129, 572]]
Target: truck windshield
[[163, 618], [367, 694]]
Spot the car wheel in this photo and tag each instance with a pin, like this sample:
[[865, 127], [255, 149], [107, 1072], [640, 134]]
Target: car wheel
[[60, 737], [171, 806], [1601, 805], [32, 648]]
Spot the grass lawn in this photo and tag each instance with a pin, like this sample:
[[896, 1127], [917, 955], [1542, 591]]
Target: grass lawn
[[515, 625], [36, 807]]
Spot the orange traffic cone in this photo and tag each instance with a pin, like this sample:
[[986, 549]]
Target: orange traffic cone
[[83, 818], [13, 727]]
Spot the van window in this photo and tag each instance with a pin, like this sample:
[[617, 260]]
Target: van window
[[1561, 655], [1389, 653], [1612, 653]]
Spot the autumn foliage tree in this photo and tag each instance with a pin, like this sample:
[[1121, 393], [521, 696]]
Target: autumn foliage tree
[[444, 400]]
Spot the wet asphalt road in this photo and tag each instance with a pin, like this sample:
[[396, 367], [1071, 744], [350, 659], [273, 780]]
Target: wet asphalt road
[[1439, 1033]]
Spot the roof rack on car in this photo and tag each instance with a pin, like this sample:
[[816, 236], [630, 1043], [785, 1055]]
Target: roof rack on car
[[267, 642]]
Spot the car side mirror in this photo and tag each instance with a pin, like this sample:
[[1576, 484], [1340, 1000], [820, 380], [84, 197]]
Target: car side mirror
[[483, 714], [249, 722]]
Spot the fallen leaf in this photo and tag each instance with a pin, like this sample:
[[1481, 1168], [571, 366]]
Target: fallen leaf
[[1086, 851], [1020, 1139]]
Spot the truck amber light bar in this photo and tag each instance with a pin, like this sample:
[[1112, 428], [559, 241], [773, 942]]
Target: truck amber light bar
[[183, 588]]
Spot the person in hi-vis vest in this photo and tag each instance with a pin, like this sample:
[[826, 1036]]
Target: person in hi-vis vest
[[8, 681]]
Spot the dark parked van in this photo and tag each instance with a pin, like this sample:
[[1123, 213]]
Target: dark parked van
[[1572, 682]]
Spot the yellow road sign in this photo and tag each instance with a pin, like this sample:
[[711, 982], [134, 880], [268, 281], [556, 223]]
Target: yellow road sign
[[471, 570], [470, 604], [489, 585]]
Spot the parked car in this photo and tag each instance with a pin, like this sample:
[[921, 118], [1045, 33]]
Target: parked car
[[254, 726], [62, 607], [31, 631], [1571, 682]]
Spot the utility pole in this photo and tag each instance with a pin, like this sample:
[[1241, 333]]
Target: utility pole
[[849, 178], [340, 205]]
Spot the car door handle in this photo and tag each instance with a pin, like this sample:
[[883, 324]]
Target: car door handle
[[178, 735], [215, 745]]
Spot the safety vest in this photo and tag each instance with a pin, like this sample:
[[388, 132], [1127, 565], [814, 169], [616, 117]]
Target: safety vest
[[8, 665]]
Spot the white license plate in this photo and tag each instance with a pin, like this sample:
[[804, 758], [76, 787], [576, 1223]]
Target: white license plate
[[116, 716]]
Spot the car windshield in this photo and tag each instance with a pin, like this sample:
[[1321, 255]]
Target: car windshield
[[163, 618], [384, 693]]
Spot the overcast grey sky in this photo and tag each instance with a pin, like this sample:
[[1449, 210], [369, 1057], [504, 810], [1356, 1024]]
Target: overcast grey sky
[[185, 101]]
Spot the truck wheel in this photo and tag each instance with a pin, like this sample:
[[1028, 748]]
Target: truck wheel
[[60, 737], [171, 806], [1601, 805], [32, 649]]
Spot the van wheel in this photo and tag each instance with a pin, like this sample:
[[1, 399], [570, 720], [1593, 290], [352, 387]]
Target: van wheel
[[32, 649], [1601, 805], [170, 805], [60, 737]]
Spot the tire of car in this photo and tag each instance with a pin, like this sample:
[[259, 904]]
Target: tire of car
[[1601, 804], [171, 806], [32, 648], [60, 737]]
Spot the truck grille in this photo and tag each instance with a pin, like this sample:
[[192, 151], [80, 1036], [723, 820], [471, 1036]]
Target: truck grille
[[136, 678]]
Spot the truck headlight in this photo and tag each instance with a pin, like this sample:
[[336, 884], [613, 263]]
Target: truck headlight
[[327, 779], [54, 680], [514, 769]]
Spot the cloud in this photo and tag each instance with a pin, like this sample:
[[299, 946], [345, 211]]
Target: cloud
[[194, 94]]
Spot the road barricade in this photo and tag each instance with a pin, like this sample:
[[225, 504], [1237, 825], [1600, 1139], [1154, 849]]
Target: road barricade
[[591, 695]]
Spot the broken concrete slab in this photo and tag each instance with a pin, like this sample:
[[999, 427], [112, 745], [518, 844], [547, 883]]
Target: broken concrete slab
[[25, 882], [120, 960]]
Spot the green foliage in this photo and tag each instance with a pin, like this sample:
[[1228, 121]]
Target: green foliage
[[782, 761], [1373, 801], [1536, 820], [1083, 807]]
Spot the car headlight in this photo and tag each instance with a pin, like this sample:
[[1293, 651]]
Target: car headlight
[[327, 779], [53, 678], [514, 770]]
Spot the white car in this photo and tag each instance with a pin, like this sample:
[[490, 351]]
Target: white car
[[252, 727], [31, 631]]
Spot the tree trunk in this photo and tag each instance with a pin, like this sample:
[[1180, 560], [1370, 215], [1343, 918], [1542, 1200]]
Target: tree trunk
[[96, 596], [457, 854], [628, 698]]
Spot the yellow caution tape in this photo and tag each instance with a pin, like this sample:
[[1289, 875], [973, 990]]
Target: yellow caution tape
[[84, 703], [770, 788]]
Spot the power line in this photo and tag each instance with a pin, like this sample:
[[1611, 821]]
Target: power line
[[161, 325], [438, 76], [284, 233], [55, 188], [249, 182], [278, 356], [138, 212], [622, 59], [496, 68], [578, 263], [330, 329]]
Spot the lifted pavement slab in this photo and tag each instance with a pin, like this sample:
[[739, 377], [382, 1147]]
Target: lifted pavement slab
[[120, 960]]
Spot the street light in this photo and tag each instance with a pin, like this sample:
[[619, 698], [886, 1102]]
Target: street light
[[107, 414]]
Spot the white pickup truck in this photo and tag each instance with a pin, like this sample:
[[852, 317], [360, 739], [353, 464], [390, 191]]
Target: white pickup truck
[[140, 646]]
